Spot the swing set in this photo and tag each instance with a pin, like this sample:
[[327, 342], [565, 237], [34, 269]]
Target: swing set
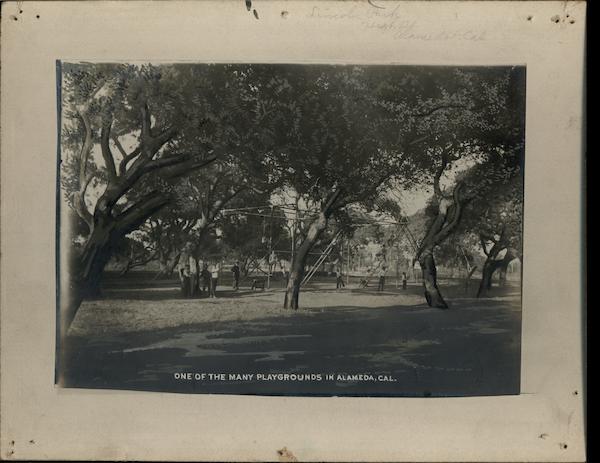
[[268, 212]]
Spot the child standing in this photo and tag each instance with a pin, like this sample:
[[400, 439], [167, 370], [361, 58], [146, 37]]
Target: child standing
[[205, 275], [214, 276]]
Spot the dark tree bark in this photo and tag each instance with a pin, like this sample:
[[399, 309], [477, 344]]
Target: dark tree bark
[[292, 294], [108, 224], [447, 219], [492, 264], [106, 235], [486, 277], [503, 268], [470, 273], [167, 264], [433, 295], [133, 263], [163, 266]]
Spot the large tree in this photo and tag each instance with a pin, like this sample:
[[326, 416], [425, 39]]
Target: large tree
[[338, 136], [475, 137], [327, 144], [499, 227], [128, 132]]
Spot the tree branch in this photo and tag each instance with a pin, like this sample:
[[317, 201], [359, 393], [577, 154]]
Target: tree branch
[[330, 201], [483, 245], [146, 122], [471, 272], [168, 161], [78, 201], [165, 136], [186, 167], [78, 197], [86, 148], [438, 108], [212, 186], [488, 237], [107, 155], [173, 166], [414, 141], [152, 144], [438, 174], [218, 205], [138, 213], [127, 158], [456, 216], [115, 139]]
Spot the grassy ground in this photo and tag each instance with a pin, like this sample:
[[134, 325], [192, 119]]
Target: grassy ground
[[139, 338], [156, 308]]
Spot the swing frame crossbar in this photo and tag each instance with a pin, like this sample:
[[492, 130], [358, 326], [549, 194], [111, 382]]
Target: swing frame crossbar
[[257, 211]]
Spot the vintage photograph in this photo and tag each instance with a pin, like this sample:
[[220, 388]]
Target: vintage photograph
[[290, 229]]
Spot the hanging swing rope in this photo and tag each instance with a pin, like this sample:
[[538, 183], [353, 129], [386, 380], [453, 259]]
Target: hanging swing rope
[[268, 212], [411, 238]]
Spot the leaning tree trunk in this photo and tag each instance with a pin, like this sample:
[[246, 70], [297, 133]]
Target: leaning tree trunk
[[502, 276], [170, 267], [107, 232], [85, 276], [470, 272], [292, 293], [167, 265], [433, 296], [503, 268], [491, 265], [109, 223], [445, 223]]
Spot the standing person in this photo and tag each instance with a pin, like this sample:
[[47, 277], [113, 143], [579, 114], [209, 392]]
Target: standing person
[[339, 280], [184, 277], [285, 275], [205, 275], [381, 284], [236, 276], [404, 278], [214, 278], [194, 281]]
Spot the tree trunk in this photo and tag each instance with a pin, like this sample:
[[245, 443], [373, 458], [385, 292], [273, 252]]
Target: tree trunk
[[298, 265], [163, 264], [125, 270], [470, 272], [246, 267], [106, 234], [502, 275], [491, 265], [489, 268], [445, 223], [167, 265], [108, 224], [510, 255], [85, 277], [433, 296]]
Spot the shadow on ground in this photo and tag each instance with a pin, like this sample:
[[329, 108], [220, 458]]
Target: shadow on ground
[[400, 346]]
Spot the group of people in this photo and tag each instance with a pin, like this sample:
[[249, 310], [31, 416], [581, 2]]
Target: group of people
[[197, 281], [381, 274]]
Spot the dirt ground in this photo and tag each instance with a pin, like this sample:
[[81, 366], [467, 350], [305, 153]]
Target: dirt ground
[[157, 308], [143, 338]]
